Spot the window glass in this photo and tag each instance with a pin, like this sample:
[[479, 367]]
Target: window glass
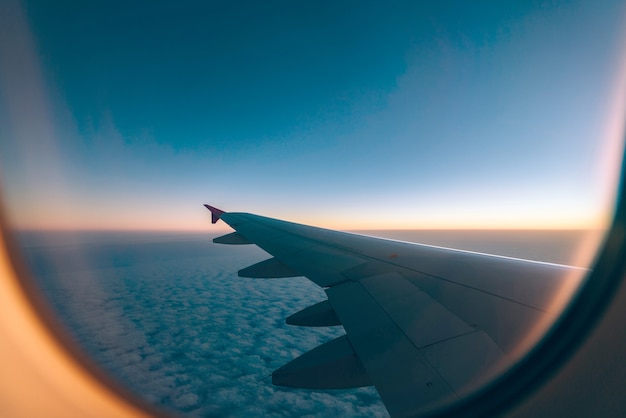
[[492, 129]]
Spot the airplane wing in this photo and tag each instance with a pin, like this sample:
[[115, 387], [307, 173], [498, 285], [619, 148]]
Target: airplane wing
[[423, 324]]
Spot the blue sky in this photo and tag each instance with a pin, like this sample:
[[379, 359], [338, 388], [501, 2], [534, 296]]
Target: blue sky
[[346, 115]]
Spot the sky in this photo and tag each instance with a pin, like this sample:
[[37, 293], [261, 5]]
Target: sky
[[339, 114]]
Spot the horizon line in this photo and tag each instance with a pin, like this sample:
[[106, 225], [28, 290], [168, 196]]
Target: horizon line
[[199, 230]]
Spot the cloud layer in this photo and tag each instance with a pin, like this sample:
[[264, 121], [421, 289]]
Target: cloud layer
[[168, 317]]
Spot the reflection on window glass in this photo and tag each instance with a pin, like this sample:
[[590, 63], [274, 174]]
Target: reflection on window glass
[[494, 129]]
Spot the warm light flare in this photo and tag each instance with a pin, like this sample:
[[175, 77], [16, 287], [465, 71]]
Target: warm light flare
[[37, 372]]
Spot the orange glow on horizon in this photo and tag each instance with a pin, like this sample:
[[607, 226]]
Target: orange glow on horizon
[[205, 226], [199, 219]]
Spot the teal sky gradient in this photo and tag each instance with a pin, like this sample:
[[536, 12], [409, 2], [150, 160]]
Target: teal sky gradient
[[343, 114]]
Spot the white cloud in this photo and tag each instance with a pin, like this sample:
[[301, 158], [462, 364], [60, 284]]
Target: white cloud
[[187, 334]]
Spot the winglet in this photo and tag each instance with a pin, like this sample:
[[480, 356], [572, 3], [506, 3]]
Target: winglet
[[215, 213]]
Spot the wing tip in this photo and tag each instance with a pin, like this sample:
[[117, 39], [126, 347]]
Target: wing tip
[[216, 213]]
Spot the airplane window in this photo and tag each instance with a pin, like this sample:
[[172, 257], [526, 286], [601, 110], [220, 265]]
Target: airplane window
[[490, 135]]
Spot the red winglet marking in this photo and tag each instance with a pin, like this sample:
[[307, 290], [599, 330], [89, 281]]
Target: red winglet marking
[[215, 213]]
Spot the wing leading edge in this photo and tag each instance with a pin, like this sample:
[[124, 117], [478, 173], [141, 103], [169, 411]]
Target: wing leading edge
[[423, 324]]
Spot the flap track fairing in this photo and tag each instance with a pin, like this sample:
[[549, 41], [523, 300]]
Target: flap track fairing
[[234, 238], [319, 315], [332, 365], [268, 269]]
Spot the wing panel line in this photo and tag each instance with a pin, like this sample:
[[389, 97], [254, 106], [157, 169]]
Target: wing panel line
[[369, 257]]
